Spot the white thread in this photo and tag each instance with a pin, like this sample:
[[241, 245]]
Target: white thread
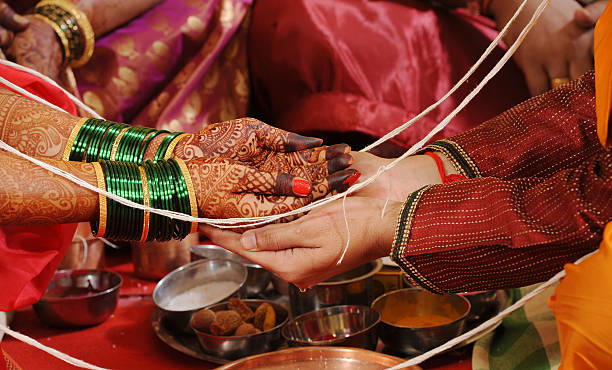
[[489, 323], [112, 245], [53, 352], [74, 99], [85, 248], [348, 230], [254, 221]]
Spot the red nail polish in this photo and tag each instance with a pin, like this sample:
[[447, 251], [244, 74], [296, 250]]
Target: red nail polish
[[301, 187], [352, 179]]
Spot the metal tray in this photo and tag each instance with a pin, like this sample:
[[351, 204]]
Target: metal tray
[[188, 344]]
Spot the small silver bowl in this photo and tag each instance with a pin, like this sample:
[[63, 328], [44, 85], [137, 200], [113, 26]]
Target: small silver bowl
[[483, 304], [197, 285], [234, 347], [258, 277], [76, 298], [414, 321], [346, 326]]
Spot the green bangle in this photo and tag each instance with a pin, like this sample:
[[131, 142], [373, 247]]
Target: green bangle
[[182, 195], [108, 140], [146, 143], [80, 142], [163, 146]]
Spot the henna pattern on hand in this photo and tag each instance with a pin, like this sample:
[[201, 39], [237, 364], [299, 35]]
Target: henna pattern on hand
[[33, 128], [32, 195], [229, 189], [252, 142]]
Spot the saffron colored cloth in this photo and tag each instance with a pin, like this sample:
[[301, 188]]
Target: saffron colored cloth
[[582, 304], [30, 254], [178, 66], [539, 196], [368, 66]]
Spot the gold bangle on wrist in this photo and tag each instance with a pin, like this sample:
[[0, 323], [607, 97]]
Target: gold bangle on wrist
[[78, 50], [146, 202], [72, 138], [102, 199], [173, 143], [193, 202], [116, 144]]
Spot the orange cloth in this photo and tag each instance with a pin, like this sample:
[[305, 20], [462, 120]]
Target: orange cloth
[[582, 302]]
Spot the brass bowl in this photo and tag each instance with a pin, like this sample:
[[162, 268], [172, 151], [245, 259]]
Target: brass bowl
[[436, 319], [233, 347], [76, 298]]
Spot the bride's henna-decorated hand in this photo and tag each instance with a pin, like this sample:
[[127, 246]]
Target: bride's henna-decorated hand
[[37, 47], [10, 22], [229, 189], [252, 142]]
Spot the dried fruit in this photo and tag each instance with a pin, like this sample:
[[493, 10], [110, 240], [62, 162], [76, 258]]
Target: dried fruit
[[246, 329], [245, 311], [202, 319], [265, 317], [226, 323]]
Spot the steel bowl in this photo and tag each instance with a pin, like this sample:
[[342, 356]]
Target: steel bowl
[[483, 304], [76, 298], [258, 277], [354, 287], [172, 293], [234, 347], [415, 303], [346, 326]]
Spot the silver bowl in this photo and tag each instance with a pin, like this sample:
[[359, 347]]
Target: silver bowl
[[197, 285], [258, 277], [76, 298], [483, 304], [234, 347], [347, 326], [413, 303], [354, 287]]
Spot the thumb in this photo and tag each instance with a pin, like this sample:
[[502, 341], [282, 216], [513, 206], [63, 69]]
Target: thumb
[[271, 238]]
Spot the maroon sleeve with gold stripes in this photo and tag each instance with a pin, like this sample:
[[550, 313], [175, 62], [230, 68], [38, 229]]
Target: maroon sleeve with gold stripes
[[540, 196]]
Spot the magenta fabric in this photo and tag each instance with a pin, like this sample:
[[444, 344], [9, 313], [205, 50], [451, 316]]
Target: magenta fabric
[[369, 66], [145, 71]]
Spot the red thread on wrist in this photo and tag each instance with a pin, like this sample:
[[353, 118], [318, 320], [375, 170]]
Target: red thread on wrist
[[445, 179]]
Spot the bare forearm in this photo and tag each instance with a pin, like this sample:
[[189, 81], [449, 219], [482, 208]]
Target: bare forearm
[[32, 195]]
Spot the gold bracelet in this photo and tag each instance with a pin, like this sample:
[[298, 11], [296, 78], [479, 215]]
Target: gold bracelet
[[172, 145], [84, 27], [190, 189], [102, 198], [146, 202], [60, 35], [72, 138], [116, 143]]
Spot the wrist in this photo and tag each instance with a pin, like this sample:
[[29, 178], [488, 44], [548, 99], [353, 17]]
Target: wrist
[[386, 228]]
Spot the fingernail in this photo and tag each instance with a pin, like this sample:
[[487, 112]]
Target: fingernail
[[352, 179], [336, 150], [21, 19], [301, 187], [339, 163], [248, 241]]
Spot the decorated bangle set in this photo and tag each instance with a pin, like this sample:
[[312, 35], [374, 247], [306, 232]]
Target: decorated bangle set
[[71, 27], [117, 153]]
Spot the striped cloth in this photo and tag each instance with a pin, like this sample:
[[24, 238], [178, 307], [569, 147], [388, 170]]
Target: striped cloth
[[527, 339]]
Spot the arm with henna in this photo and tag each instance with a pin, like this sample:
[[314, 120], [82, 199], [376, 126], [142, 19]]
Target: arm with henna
[[223, 188], [40, 131]]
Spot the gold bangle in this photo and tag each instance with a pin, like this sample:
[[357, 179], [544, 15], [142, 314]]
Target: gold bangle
[[84, 26], [190, 189], [72, 138], [146, 202], [60, 34], [116, 143], [172, 145], [102, 198]]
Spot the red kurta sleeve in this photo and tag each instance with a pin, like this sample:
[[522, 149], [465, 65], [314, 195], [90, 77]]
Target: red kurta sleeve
[[548, 205], [538, 137]]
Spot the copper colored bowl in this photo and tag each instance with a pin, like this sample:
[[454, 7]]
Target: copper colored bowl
[[77, 298], [316, 358]]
